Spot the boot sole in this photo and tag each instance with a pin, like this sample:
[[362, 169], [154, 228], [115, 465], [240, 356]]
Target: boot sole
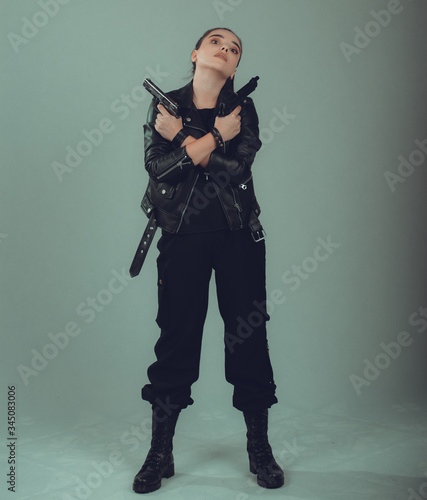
[[271, 485], [169, 472]]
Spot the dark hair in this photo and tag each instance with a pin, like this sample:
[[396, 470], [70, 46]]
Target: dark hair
[[206, 33]]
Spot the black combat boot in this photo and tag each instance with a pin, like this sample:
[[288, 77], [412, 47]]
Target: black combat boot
[[159, 462], [261, 460]]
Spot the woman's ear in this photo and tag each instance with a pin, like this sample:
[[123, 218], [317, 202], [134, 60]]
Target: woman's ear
[[232, 76], [194, 55]]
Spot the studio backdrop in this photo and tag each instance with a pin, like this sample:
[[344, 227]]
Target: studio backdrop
[[341, 181]]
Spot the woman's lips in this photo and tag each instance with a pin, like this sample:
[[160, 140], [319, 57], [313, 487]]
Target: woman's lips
[[222, 56]]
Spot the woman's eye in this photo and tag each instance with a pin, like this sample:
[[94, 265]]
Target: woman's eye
[[215, 41], [234, 51]]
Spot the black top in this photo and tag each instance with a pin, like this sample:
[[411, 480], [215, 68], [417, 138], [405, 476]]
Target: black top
[[204, 211]]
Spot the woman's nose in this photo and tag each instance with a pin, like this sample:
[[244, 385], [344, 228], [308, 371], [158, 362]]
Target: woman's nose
[[224, 48]]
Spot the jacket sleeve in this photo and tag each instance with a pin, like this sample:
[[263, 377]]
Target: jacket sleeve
[[241, 150], [163, 162]]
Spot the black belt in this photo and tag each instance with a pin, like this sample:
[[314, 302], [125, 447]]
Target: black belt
[[143, 246], [257, 231]]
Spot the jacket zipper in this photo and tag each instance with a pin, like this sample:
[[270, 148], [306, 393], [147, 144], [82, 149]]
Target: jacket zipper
[[237, 206], [243, 185], [187, 202], [172, 167], [230, 225], [194, 185]]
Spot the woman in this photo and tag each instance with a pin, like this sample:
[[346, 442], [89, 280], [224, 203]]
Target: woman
[[202, 193]]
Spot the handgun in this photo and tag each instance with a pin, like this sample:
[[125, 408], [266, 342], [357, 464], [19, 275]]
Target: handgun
[[162, 98], [226, 107], [238, 97]]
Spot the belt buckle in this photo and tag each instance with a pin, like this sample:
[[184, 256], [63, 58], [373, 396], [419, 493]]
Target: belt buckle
[[258, 235]]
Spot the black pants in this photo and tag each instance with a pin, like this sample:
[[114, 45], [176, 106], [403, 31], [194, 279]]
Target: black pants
[[185, 266]]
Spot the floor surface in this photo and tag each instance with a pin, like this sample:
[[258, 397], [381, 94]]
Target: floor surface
[[328, 454]]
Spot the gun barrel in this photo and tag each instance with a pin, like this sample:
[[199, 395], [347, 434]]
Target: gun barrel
[[167, 102], [249, 87], [153, 89]]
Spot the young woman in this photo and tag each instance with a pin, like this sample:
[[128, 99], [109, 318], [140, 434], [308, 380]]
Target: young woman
[[201, 190]]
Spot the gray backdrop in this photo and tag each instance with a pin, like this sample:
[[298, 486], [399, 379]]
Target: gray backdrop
[[340, 180]]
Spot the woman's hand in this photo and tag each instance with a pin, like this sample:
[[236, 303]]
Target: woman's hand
[[229, 126], [166, 124]]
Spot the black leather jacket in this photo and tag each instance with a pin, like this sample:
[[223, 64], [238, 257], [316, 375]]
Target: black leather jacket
[[173, 175]]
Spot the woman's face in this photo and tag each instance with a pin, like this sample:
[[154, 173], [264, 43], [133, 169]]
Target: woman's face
[[219, 50]]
